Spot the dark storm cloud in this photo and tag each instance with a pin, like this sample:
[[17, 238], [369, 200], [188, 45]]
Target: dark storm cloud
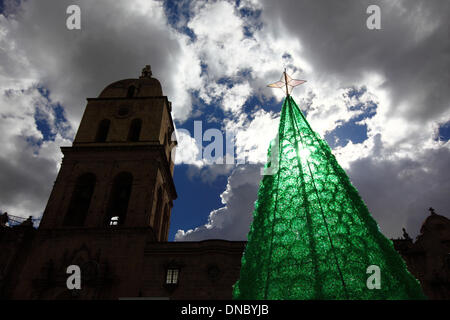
[[25, 181], [412, 50], [114, 42], [399, 193]]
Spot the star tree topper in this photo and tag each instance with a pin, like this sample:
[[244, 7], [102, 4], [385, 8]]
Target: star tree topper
[[286, 82]]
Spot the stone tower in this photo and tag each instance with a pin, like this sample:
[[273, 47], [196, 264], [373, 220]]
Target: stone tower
[[119, 171], [111, 200]]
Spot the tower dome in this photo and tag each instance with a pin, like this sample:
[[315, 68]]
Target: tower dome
[[145, 86]]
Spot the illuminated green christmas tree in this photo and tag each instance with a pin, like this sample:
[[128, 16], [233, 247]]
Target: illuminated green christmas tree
[[312, 236]]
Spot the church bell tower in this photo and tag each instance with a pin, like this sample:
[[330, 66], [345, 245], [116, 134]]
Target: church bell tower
[[119, 171]]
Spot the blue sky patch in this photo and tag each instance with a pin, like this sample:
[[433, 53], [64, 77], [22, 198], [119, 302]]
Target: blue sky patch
[[188, 212], [348, 131], [41, 118], [357, 92], [351, 130], [443, 132], [178, 12]]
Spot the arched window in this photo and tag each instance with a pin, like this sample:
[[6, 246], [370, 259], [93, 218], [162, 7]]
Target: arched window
[[102, 131], [158, 213], [135, 130], [131, 91], [80, 201], [165, 224], [118, 199]]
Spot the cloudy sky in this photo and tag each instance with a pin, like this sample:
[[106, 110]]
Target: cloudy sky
[[379, 97]]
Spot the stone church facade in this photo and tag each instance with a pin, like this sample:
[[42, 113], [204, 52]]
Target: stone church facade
[[428, 257], [109, 213]]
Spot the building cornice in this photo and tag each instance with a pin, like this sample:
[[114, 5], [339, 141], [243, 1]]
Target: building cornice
[[135, 147], [187, 247]]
